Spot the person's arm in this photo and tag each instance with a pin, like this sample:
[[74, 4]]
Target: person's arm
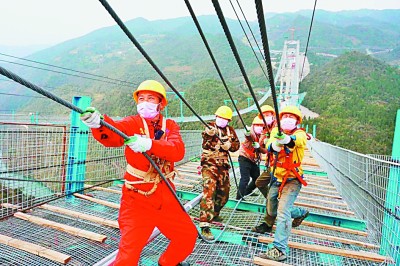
[[208, 135], [235, 143], [298, 140], [108, 137]]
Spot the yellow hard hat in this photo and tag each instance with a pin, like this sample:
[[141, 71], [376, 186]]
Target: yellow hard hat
[[266, 108], [291, 110], [151, 85], [224, 112], [257, 121]]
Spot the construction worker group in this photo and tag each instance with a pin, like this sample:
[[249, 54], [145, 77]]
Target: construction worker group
[[149, 202]]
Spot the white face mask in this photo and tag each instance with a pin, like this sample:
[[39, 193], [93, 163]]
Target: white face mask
[[258, 129], [288, 123], [148, 110], [269, 120], [221, 122]]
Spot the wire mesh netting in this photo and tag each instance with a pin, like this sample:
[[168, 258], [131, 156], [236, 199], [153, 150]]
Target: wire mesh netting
[[40, 153]]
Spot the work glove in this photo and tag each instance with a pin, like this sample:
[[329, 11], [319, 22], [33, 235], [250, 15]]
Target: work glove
[[138, 143], [282, 138], [226, 145], [91, 117], [256, 145], [276, 146], [247, 131], [211, 131]]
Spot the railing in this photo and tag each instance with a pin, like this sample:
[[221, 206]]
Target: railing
[[370, 184], [35, 161]]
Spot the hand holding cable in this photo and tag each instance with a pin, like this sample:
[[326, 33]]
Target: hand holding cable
[[211, 131], [138, 143], [226, 146], [91, 117], [256, 145], [282, 138]]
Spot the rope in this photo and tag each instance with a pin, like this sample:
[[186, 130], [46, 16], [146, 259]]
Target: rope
[[264, 38], [228, 35], [248, 40], [308, 38], [212, 58], [57, 99], [69, 69]]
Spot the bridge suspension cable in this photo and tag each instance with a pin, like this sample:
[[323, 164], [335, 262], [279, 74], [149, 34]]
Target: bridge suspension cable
[[151, 62], [196, 22], [264, 38], [69, 69], [308, 40], [248, 40], [69, 105], [60, 72], [228, 35], [251, 31]]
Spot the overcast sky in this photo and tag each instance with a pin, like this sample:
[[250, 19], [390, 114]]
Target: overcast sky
[[33, 22]]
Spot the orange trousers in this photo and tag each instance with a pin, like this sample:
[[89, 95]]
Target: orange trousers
[[139, 215]]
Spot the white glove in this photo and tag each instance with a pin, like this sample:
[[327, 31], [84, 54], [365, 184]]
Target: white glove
[[276, 146], [91, 117], [247, 131], [256, 145], [139, 144], [226, 145], [283, 139]]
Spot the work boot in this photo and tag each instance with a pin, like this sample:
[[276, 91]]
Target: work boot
[[297, 221], [273, 254], [262, 228], [206, 233], [183, 263], [218, 219]]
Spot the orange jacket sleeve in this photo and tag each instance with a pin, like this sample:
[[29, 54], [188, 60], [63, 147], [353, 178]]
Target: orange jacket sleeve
[[108, 137]]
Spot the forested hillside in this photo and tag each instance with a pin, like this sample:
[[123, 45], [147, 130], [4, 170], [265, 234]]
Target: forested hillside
[[355, 94], [175, 46], [357, 98]]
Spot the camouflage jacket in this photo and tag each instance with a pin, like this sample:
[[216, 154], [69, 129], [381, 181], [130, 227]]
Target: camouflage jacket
[[212, 145]]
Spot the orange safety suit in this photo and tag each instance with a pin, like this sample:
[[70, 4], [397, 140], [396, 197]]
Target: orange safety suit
[[140, 214]]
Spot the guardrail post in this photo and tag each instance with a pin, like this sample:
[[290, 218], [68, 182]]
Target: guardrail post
[[77, 149], [390, 241]]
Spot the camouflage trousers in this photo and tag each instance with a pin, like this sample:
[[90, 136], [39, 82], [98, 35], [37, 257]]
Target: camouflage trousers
[[216, 187]]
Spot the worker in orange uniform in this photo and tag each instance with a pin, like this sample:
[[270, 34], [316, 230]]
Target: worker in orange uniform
[[218, 140], [287, 180], [268, 113], [146, 201], [249, 158]]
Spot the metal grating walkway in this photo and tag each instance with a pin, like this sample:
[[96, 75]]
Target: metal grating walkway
[[237, 245]]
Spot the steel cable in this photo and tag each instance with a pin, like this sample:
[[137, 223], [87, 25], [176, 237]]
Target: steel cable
[[57, 99], [308, 38], [228, 35], [248, 40]]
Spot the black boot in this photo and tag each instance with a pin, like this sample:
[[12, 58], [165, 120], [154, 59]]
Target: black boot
[[262, 228]]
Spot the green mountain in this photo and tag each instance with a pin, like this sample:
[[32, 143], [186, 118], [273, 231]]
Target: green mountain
[[175, 46], [357, 97], [351, 102]]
